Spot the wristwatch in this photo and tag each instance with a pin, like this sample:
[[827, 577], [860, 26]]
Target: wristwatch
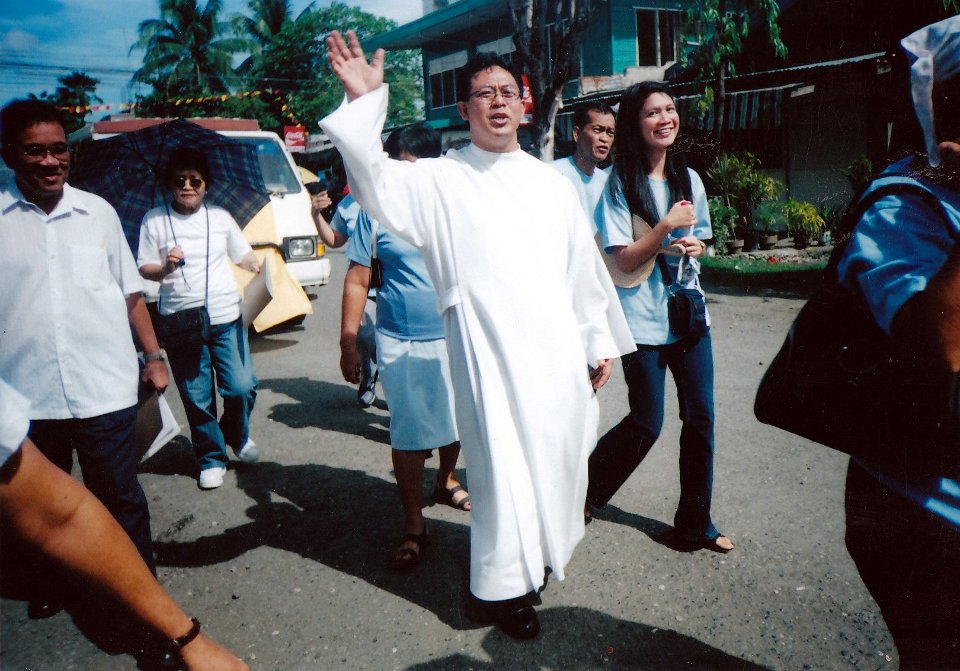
[[159, 355]]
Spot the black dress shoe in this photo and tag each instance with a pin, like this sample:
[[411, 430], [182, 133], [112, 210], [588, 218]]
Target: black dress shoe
[[515, 617], [42, 609]]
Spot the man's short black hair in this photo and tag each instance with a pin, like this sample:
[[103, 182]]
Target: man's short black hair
[[187, 158], [581, 115], [19, 115], [483, 61], [417, 140]]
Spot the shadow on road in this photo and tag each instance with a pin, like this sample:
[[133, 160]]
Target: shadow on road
[[656, 530], [323, 405], [330, 515], [583, 638]]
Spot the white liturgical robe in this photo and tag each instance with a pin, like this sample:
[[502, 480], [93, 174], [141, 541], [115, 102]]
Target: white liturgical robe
[[527, 305]]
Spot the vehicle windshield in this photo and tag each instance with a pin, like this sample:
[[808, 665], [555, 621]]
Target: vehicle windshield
[[277, 173]]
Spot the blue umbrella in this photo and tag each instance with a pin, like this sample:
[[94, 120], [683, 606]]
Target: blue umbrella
[[126, 170]]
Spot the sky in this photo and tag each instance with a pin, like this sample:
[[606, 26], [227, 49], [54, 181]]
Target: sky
[[41, 40]]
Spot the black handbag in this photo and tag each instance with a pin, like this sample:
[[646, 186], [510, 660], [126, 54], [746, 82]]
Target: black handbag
[[841, 381], [189, 327], [686, 308]]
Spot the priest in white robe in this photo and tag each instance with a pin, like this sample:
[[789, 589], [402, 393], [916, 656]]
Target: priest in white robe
[[531, 317]]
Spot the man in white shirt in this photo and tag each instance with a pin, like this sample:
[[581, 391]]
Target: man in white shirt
[[527, 306], [594, 126], [71, 296]]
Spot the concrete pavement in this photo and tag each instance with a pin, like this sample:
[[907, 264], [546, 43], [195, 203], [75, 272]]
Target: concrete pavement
[[286, 564]]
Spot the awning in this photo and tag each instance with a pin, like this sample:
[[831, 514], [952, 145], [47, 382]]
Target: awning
[[758, 108]]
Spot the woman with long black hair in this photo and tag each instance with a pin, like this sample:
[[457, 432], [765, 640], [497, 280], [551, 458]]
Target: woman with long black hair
[[651, 181]]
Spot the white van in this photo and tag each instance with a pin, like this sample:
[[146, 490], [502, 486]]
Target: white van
[[300, 245], [296, 234]]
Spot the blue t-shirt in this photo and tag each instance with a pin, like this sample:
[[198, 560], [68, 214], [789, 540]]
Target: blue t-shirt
[[407, 302], [345, 218], [645, 306], [897, 247], [589, 187]]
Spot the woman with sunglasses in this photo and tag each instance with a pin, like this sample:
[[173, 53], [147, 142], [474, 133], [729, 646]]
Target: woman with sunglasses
[[186, 245], [651, 179]]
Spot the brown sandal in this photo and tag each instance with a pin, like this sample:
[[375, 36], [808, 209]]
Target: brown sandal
[[446, 496], [407, 558]]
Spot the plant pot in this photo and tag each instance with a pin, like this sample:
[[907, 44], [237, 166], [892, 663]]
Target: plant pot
[[734, 246], [801, 240], [768, 241]]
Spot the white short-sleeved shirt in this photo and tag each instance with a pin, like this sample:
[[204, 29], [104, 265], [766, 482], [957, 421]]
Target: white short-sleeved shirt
[[14, 420], [65, 339], [645, 305], [589, 187], [184, 288]]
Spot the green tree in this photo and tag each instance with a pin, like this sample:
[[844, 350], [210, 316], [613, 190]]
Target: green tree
[[291, 60], [76, 90], [548, 35], [720, 28], [268, 18], [188, 50]]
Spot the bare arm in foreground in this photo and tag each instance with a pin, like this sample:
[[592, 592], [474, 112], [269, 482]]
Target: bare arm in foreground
[[54, 513]]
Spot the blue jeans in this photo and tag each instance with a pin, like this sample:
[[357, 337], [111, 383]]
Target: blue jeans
[[228, 355], [620, 450], [107, 451]]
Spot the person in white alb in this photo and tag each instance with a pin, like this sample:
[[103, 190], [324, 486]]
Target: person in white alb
[[528, 311], [594, 128], [71, 295]]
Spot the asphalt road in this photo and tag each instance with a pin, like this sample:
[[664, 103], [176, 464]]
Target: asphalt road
[[286, 564]]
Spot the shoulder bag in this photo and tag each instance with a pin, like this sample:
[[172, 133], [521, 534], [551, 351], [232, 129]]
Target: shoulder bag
[[841, 381], [686, 308], [189, 327]]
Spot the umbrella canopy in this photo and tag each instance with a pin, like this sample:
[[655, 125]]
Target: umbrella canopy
[[126, 170]]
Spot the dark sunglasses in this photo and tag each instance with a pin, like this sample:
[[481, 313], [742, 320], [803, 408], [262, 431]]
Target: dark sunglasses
[[195, 182], [38, 152]]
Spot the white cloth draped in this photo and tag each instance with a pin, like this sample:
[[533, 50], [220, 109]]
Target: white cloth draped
[[527, 305]]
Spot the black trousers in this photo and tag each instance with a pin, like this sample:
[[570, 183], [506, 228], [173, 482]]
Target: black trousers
[[909, 559], [107, 452]]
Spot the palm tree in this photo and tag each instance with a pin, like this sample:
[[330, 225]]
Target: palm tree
[[188, 50], [267, 21]]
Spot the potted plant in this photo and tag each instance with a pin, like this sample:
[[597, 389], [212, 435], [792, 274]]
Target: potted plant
[[803, 222], [722, 220], [739, 182], [767, 218]]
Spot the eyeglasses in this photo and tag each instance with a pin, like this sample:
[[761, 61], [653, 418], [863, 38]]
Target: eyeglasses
[[38, 152], [195, 182], [488, 94]]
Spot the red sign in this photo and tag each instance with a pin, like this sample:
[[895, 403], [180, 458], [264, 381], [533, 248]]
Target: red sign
[[295, 137], [527, 99]]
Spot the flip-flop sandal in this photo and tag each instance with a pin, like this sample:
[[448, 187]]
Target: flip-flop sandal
[[446, 497], [407, 558]]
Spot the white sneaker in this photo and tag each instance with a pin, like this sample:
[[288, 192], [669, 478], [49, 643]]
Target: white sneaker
[[211, 478], [367, 398], [249, 453]]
